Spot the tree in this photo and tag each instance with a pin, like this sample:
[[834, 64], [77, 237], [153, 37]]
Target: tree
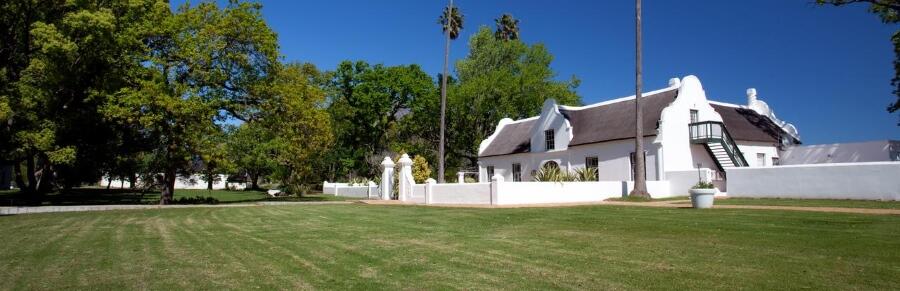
[[507, 27], [213, 155], [499, 79], [366, 104], [451, 24], [198, 63], [59, 62], [889, 11], [420, 169], [295, 114], [640, 180], [250, 147]]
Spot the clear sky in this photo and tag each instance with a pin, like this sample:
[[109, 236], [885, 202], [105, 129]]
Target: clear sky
[[827, 70]]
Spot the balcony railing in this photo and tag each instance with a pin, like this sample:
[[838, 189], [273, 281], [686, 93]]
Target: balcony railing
[[715, 132]]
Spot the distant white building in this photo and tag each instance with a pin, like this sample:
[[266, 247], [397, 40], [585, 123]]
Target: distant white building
[[683, 129], [193, 182], [856, 152]]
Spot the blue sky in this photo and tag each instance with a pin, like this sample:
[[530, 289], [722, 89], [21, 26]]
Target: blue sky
[[825, 69]]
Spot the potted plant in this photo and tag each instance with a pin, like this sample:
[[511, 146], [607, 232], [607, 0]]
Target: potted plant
[[702, 195]]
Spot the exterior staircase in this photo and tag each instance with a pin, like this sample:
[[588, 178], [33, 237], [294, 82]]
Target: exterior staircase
[[717, 141]]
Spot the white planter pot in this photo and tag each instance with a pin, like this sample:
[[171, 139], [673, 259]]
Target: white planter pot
[[703, 198]]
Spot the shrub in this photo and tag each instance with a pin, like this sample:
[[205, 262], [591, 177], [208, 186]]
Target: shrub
[[703, 185], [554, 174], [195, 200], [586, 174], [469, 180], [359, 181], [420, 169]]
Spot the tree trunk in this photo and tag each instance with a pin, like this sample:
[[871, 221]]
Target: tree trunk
[[109, 183], [449, 24], [46, 180], [29, 172], [133, 179], [254, 181], [168, 187], [209, 181], [640, 181], [20, 181]]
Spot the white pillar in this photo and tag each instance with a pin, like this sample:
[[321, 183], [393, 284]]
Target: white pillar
[[460, 177], [496, 180], [372, 190], [406, 181], [387, 178], [429, 187]]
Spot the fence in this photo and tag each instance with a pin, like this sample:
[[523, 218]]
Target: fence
[[346, 190], [863, 181]]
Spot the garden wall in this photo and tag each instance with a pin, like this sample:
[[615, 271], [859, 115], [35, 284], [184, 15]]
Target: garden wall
[[473, 193], [863, 181]]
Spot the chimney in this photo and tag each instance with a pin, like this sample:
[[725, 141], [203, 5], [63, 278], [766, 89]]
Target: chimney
[[751, 96], [674, 82]]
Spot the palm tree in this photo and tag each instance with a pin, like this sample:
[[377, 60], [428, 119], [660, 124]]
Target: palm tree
[[451, 22], [640, 180], [507, 27]]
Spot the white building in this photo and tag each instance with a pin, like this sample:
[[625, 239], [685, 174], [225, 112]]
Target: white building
[[683, 129]]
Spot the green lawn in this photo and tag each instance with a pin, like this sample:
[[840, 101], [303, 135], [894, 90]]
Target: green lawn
[[809, 202], [406, 247], [102, 196]]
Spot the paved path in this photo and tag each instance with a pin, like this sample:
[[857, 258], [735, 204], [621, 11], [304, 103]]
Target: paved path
[[681, 204], [664, 204], [73, 208]]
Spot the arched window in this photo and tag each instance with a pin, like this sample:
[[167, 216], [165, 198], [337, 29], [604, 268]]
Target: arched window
[[551, 164]]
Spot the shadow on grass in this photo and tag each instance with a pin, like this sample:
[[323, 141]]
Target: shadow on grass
[[102, 196]]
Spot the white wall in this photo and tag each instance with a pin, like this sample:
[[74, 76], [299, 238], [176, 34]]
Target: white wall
[[750, 149], [863, 181], [674, 134], [551, 118], [361, 192], [472, 193], [614, 160], [680, 182]]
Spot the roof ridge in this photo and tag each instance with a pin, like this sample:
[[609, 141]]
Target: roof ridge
[[617, 100]]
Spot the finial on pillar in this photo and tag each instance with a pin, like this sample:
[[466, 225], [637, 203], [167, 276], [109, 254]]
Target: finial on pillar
[[674, 82], [751, 96]]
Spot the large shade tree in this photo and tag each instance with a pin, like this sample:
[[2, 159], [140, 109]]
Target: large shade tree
[[60, 61], [366, 103], [498, 79], [199, 62]]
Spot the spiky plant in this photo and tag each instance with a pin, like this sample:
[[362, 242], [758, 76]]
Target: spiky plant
[[586, 174]]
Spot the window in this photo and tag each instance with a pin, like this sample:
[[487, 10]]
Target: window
[[593, 162], [551, 164], [490, 172], [634, 168], [775, 161], [694, 116], [517, 172], [760, 159], [549, 140]]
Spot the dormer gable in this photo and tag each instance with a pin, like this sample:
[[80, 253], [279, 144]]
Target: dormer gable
[[551, 127]]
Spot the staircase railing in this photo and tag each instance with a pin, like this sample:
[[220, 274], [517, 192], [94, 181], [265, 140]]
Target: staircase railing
[[715, 131]]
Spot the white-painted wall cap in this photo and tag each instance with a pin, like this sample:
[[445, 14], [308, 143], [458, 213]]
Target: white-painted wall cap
[[387, 162], [674, 82], [405, 160]]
